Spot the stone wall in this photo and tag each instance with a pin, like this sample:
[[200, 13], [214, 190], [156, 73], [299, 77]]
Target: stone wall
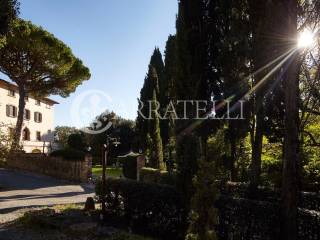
[[77, 170]]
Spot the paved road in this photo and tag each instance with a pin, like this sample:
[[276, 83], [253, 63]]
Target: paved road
[[24, 190]]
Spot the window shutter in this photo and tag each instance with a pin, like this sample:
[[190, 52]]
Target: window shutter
[[40, 117], [8, 110], [14, 111]]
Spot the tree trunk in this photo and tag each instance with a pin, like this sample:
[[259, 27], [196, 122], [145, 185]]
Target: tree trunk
[[233, 148], [233, 151], [289, 230], [260, 22], [21, 108], [255, 167]]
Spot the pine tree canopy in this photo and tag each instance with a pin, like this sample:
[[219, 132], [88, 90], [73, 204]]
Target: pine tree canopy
[[35, 59]]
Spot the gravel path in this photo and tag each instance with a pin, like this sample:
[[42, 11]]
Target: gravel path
[[21, 190]]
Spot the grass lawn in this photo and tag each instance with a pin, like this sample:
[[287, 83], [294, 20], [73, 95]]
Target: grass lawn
[[111, 171]]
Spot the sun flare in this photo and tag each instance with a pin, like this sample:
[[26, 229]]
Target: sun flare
[[306, 39]]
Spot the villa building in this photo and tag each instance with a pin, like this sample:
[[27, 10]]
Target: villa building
[[37, 130]]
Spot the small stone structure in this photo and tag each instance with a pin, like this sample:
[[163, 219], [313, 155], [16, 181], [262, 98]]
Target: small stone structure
[[141, 163], [77, 170]]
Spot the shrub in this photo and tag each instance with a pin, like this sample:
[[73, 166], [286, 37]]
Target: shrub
[[38, 219], [96, 160], [75, 141], [69, 154], [36, 151], [312, 172], [127, 236], [151, 175], [150, 209], [271, 172], [129, 166]]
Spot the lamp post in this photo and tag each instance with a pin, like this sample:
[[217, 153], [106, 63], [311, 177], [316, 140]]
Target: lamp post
[[105, 151]]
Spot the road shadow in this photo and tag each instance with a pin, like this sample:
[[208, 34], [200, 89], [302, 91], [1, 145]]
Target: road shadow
[[18, 180], [36, 188]]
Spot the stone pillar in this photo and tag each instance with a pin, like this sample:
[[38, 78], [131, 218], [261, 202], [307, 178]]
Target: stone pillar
[[86, 169], [141, 162]]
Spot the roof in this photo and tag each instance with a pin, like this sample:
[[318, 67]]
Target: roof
[[4, 83]]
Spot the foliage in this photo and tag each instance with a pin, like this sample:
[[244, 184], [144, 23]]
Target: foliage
[[121, 128], [311, 152], [69, 154], [188, 152], [149, 208], [191, 83], [5, 142], [45, 66], [170, 69], [152, 175], [127, 236], [76, 141], [312, 172], [271, 163], [248, 222], [153, 81], [156, 158], [129, 166], [36, 150], [51, 64], [56, 221], [230, 50], [38, 219], [203, 214], [62, 134], [9, 11]]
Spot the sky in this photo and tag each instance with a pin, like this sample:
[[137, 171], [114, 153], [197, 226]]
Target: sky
[[115, 39]]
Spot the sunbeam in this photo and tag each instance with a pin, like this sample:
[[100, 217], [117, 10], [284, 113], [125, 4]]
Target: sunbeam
[[284, 58]]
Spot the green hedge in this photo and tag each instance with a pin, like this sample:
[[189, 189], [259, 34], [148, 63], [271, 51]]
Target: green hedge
[[150, 209], [69, 154], [151, 175], [157, 210]]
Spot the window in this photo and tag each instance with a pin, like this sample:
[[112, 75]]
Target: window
[[38, 136], [26, 99], [37, 117], [26, 114], [11, 93], [11, 111], [38, 102], [26, 134]]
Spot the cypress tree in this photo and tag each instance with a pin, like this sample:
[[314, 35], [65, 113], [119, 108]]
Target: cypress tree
[[230, 59], [146, 94], [149, 129], [191, 84], [156, 160], [168, 95]]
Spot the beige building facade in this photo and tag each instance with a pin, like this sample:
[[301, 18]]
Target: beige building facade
[[38, 124]]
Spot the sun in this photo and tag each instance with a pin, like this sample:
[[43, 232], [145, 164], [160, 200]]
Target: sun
[[306, 39]]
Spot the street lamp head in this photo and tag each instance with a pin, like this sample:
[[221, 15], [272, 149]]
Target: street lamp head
[[116, 143]]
